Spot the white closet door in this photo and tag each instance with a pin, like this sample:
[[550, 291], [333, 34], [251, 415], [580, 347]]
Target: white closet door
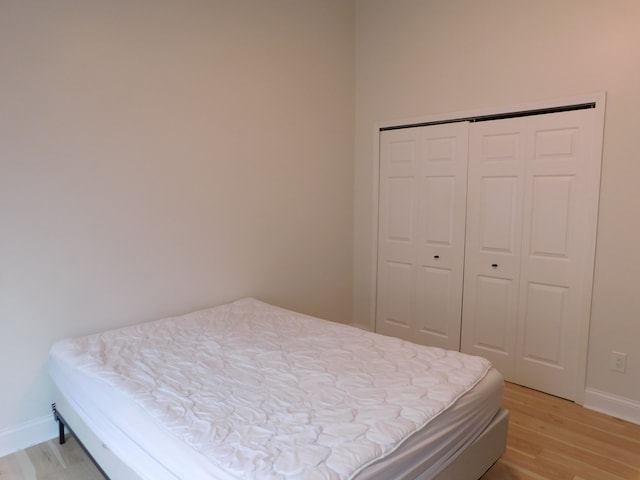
[[494, 228], [422, 200], [532, 208], [558, 246]]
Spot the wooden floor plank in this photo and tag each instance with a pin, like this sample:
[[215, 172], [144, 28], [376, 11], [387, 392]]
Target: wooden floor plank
[[578, 455], [50, 461], [553, 439], [582, 469], [516, 394], [582, 425], [10, 468]]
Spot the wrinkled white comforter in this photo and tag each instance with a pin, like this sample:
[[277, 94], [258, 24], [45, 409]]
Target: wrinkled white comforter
[[266, 393]]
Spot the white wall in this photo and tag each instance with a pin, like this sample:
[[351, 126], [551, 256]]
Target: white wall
[[158, 157], [419, 58]]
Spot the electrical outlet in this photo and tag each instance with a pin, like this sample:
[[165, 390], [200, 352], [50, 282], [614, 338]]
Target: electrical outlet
[[618, 362]]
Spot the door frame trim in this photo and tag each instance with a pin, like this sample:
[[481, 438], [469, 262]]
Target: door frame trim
[[598, 99]]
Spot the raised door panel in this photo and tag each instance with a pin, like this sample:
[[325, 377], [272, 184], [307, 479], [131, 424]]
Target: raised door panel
[[492, 313], [544, 328], [438, 204], [397, 295], [432, 303]]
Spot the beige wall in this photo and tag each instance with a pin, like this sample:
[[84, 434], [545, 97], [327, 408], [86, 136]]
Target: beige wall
[[419, 58], [161, 156]]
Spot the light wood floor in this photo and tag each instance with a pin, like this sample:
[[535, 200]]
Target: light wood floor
[[549, 439], [50, 461]]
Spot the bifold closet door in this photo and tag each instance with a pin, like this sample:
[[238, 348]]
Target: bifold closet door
[[422, 198], [530, 239]]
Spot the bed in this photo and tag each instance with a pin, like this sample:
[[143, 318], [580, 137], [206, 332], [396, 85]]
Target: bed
[[248, 390]]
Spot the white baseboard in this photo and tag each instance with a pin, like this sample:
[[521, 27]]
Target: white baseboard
[[613, 405], [27, 434]]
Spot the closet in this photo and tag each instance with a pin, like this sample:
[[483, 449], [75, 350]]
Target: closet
[[486, 239]]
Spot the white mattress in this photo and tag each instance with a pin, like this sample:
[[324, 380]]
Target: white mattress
[[248, 390]]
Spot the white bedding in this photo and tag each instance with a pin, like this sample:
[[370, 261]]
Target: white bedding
[[248, 390]]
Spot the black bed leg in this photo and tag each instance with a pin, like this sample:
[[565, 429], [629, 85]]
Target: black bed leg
[[61, 438], [58, 419]]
